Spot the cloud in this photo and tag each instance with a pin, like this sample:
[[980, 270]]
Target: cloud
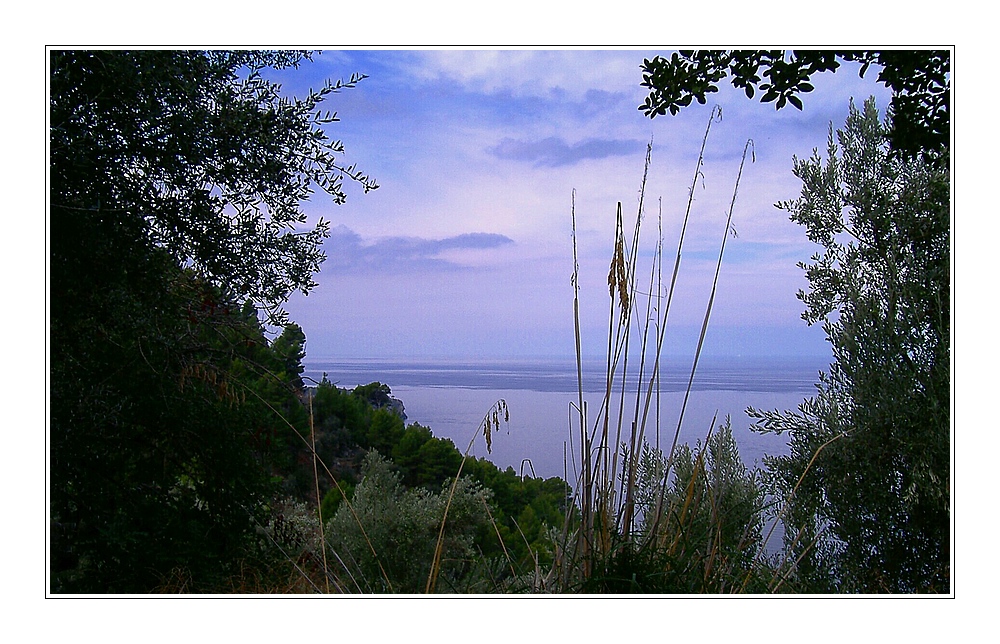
[[554, 151], [531, 72], [348, 252]]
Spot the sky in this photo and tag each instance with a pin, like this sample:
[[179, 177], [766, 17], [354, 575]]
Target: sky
[[466, 248]]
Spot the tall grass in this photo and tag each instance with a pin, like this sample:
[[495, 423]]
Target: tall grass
[[614, 535]]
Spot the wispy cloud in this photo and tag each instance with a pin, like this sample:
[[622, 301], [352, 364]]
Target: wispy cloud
[[530, 73], [554, 151], [348, 252]]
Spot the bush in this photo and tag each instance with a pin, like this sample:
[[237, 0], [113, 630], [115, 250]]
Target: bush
[[386, 539]]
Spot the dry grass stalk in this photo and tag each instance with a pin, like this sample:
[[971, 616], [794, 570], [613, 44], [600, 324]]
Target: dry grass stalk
[[319, 504], [319, 461], [489, 424], [607, 499], [708, 311]]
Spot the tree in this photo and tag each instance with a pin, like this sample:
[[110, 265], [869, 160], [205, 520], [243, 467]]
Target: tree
[[160, 443], [920, 81], [385, 429], [423, 459], [867, 479], [289, 349], [176, 187], [386, 540], [512, 496], [195, 153], [375, 393]]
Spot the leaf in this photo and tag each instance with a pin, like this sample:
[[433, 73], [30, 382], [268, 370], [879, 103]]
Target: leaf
[[794, 100]]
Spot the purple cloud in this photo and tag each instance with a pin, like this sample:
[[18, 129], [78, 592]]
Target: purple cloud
[[348, 252], [554, 151]]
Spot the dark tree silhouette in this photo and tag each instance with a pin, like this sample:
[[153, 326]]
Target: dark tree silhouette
[[920, 82], [176, 184]]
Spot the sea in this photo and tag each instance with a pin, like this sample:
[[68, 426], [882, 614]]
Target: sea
[[537, 400], [540, 432]]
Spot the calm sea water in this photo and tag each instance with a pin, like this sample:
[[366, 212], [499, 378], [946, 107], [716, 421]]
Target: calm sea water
[[453, 396], [542, 436]]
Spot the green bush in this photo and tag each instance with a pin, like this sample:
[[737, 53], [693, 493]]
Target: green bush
[[385, 541], [699, 532]]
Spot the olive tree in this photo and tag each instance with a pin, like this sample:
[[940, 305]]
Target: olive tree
[[867, 479], [177, 182], [386, 539]]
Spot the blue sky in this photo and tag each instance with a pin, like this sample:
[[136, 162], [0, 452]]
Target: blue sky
[[466, 247]]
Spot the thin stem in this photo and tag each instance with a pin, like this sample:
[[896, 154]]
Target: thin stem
[[486, 426], [319, 504], [673, 283]]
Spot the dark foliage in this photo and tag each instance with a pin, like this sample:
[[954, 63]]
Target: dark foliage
[[176, 179], [920, 82]]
